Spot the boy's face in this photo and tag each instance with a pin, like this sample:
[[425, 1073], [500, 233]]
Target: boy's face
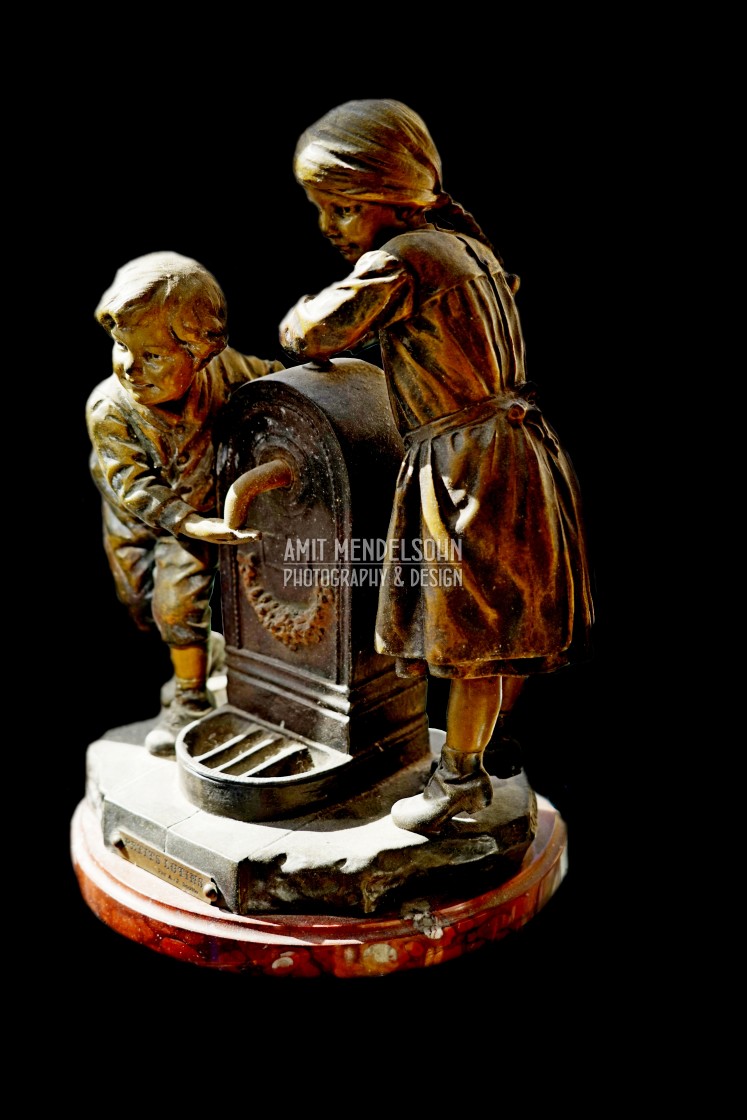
[[354, 227], [151, 365]]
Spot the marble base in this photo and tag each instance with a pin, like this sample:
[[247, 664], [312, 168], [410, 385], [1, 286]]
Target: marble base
[[422, 934]]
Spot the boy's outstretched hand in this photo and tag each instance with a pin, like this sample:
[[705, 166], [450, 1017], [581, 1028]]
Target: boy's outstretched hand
[[216, 531]]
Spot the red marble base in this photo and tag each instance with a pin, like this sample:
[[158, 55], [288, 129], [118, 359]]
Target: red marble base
[[151, 912]]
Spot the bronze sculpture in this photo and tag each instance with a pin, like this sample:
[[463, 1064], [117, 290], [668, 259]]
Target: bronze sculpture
[[484, 476], [317, 789]]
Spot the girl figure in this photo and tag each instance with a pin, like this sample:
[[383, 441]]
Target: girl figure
[[484, 483]]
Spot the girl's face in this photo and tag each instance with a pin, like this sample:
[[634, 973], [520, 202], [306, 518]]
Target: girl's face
[[151, 365], [355, 227]]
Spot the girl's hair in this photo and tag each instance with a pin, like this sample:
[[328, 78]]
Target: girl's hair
[[380, 151], [179, 287], [450, 214]]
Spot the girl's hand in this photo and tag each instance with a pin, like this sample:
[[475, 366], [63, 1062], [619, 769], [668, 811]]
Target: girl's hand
[[216, 531]]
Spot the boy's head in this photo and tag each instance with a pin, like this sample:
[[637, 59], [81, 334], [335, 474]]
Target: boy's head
[[167, 316]]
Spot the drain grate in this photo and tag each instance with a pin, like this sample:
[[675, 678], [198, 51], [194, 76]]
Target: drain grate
[[227, 745]]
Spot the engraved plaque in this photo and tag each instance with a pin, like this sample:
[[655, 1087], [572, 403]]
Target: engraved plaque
[[166, 867]]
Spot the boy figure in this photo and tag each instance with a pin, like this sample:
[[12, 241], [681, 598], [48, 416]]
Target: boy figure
[[151, 426]]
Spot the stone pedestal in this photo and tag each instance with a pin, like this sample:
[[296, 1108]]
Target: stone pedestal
[[345, 857]]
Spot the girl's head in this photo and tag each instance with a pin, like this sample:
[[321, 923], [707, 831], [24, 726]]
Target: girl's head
[[371, 169], [167, 316], [372, 151]]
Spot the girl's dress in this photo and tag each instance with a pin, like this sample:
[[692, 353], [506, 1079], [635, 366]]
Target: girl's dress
[[486, 569]]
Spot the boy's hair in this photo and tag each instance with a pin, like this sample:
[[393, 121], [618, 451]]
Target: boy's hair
[[179, 287]]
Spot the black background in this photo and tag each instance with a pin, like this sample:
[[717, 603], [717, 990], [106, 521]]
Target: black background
[[208, 173]]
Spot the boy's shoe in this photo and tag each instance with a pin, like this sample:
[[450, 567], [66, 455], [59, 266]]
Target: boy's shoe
[[182, 711], [216, 669]]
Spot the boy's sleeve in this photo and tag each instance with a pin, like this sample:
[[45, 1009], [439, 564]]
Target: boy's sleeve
[[124, 474], [238, 368]]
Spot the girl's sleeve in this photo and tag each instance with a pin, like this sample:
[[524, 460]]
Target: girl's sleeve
[[377, 292]]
